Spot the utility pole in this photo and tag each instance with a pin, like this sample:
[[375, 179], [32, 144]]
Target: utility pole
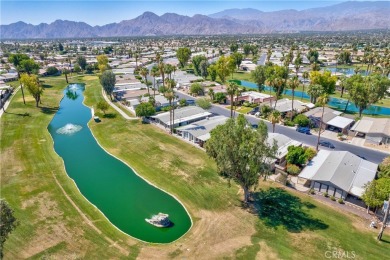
[[384, 220]]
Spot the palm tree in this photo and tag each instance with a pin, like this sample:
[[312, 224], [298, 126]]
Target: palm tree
[[276, 84], [238, 94], [171, 96], [274, 118], [322, 100], [211, 94], [144, 72], [231, 91], [161, 67], [154, 73], [297, 63], [305, 76], [293, 84], [269, 53], [342, 84]]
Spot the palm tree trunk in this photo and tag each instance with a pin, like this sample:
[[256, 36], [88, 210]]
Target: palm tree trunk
[[270, 95], [21, 87], [273, 127], [146, 83], [319, 130], [154, 87], [342, 92], [231, 106], [173, 115], [303, 91], [346, 106], [292, 104]]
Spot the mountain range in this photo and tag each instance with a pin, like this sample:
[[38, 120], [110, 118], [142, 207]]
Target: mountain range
[[340, 17]]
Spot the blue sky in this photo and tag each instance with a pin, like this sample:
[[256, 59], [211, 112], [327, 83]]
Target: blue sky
[[103, 12]]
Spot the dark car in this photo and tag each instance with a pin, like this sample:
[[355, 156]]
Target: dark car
[[362, 157], [326, 144], [253, 111], [190, 102], [304, 130]]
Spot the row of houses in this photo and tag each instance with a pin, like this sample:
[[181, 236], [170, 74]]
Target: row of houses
[[339, 173]]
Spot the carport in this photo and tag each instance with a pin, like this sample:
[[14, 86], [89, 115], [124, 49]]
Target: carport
[[341, 123]]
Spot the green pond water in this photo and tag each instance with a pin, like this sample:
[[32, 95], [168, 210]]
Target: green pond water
[[108, 183]]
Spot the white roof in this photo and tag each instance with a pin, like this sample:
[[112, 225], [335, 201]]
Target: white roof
[[255, 94], [283, 142], [341, 168], [183, 115], [340, 122]]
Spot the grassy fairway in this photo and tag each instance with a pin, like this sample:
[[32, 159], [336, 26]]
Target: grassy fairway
[[32, 179]]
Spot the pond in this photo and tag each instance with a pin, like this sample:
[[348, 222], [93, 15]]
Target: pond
[[108, 183], [346, 71], [337, 103]]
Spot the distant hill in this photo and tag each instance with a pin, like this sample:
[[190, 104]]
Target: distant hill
[[339, 17]]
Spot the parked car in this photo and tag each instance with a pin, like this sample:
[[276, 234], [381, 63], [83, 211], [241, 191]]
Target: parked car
[[253, 111], [362, 157], [257, 114], [190, 102], [326, 144], [304, 130]]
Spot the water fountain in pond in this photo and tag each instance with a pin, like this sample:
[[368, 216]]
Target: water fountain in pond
[[69, 129]]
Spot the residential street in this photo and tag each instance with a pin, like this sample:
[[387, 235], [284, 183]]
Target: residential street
[[369, 154]]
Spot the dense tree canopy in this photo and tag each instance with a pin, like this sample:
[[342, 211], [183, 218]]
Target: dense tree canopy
[[102, 63], [384, 168], [8, 223], [32, 84], [196, 89], [376, 192], [259, 77], [325, 79], [241, 153], [145, 109], [108, 80], [183, 55], [223, 68], [103, 106], [196, 60], [82, 62]]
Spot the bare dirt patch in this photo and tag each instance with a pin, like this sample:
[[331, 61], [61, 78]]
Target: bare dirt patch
[[266, 252], [214, 235]]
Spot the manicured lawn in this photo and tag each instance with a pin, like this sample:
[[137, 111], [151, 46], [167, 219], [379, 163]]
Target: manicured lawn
[[51, 226]]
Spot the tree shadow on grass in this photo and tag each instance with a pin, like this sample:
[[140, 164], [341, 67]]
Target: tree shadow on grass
[[109, 115], [49, 110], [276, 207], [18, 114], [46, 86]]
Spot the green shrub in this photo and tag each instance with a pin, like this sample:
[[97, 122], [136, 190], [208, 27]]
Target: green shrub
[[52, 71], [333, 198], [265, 110], [340, 200], [325, 194], [310, 153], [293, 169], [289, 123], [302, 120], [296, 155], [311, 191], [246, 104]]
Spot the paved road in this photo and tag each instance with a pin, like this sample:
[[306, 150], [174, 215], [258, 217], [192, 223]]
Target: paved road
[[369, 154]]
